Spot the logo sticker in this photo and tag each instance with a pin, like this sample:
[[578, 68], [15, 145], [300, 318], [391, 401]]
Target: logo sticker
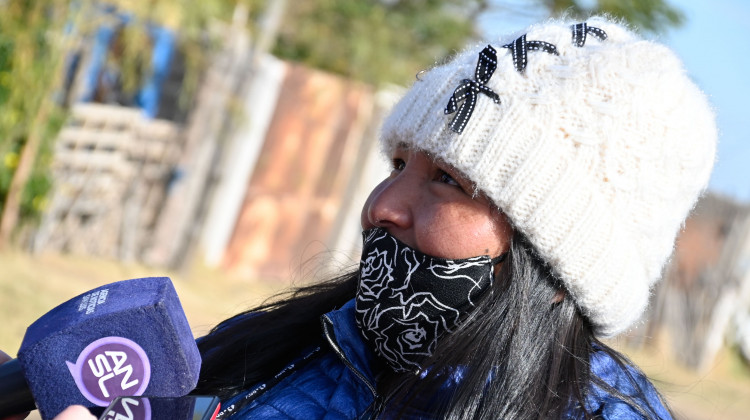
[[111, 367]]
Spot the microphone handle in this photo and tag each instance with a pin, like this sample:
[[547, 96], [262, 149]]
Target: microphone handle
[[15, 395]]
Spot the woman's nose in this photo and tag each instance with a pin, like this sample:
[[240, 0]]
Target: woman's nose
[[390, 204]]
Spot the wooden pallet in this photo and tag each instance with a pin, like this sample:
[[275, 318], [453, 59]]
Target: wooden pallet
[[111, 171]]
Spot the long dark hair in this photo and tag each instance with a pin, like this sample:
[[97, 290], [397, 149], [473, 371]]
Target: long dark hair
[[523, 354]]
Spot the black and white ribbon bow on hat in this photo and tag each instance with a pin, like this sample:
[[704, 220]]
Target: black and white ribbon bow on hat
[[580, 30], [520, 47], [468, 90]]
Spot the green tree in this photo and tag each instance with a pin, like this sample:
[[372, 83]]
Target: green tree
[[375, 41], [380, 41], [35, 39], [648, 15], [29, 62]]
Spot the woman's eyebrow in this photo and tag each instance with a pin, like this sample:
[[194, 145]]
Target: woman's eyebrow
[[403, 146], [450, 169], [459, 176]]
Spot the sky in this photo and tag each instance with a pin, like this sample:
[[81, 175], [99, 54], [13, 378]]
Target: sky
[[714, 44]]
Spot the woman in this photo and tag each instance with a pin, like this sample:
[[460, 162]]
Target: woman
[[538, 184], [537, 187]]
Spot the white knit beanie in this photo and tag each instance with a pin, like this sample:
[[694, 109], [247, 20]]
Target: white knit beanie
[[593, 142]]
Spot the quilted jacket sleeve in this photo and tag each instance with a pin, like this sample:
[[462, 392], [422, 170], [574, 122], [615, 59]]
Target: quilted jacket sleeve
[[629, 381]]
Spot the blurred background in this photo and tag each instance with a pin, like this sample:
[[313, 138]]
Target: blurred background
[[230, 145]]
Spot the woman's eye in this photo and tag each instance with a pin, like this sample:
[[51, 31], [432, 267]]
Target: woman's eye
[[447, 179], [398, 164]]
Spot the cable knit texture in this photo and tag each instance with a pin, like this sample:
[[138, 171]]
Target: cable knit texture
[[597, 154]]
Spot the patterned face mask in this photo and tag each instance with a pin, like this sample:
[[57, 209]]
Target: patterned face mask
[[406, 300]]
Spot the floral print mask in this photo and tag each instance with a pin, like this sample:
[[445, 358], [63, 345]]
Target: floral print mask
[[407, 300]]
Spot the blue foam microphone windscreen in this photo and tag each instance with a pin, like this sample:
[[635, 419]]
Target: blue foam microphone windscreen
[[122, 339]]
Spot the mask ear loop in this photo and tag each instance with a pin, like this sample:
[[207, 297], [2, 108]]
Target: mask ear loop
[[493, 262]]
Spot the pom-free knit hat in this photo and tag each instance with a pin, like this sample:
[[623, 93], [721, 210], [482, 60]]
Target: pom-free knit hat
[[592, 141]]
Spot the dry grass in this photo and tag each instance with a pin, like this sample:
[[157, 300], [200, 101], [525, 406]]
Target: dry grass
[[32, 285], [722, 392]]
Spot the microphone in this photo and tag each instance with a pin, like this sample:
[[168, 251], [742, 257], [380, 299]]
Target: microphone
[[128, 338]]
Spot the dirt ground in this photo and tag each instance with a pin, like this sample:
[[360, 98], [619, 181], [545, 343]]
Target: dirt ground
[[32, 285]]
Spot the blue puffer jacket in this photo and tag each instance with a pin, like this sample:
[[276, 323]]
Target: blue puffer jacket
[[337, 383]]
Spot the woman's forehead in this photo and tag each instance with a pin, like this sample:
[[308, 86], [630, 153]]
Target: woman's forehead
[[467, 183]]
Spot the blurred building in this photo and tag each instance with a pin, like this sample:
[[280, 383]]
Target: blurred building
[[266, 168], [704, 298]]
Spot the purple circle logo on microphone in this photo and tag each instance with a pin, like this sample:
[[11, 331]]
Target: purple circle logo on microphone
[[111, 367]]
